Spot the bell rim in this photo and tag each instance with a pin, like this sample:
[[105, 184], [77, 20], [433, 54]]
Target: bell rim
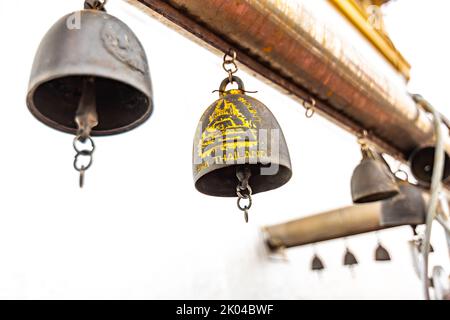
[[232, 192], [73, 130], [425, 180]]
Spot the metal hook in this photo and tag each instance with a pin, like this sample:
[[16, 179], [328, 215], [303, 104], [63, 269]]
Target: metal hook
[[310, 108]]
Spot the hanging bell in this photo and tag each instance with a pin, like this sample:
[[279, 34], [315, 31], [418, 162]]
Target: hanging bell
[[407, 208], [90, 76], [317, 264], [381, 253], [349, 258], [372, 180], [239, 148], [422, 163]]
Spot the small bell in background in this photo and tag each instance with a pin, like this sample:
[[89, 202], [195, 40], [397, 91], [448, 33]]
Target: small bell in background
[[381, 253], [239, 148], [372, 179], [349, 258], [422, 162], [90, 78], [317, 263]]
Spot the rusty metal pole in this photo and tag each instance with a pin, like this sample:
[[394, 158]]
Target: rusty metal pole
[[408, 208], [329, 225], [281, 41]]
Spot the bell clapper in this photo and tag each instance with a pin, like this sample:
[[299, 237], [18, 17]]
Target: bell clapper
[[86, 118], [243, 190]]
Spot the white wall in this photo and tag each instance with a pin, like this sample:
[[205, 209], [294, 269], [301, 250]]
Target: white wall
[[139, 229]]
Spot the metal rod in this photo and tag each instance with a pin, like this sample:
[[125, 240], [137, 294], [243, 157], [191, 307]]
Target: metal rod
[[329, 225], [282, 42]]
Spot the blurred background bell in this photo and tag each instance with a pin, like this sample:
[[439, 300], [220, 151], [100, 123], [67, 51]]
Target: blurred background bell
[[317, 264], [407, 208], [381, 253], [90, 44], [372, 180], [349, 258], [239, 131], [422, 163]]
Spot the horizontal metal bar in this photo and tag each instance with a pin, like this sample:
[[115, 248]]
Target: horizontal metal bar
[[329, 225], [285, 44], [409, 208]]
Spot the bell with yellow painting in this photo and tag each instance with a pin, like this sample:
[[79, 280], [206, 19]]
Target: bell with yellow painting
[[239, 148]]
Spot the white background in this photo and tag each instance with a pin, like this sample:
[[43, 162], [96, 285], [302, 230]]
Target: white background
[[139, 229]]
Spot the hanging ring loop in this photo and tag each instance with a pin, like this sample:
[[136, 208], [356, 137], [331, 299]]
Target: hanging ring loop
[[226, 82], [229, 59], [247, 206], [405, 174], [246, 195], [78, 140], [82, 168], [310, 108]]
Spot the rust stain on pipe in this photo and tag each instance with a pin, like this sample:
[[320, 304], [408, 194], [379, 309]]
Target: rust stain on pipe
[[285, 44]]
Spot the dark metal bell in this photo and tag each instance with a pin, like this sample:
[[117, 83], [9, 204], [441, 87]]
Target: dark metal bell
[[103, 49], [239, 130], [422, 162], [317, 264], [381, 253], [407, 208], [372, 180], [349, 258]]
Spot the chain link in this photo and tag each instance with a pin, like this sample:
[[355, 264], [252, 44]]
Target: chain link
[[310, 108], [86, 152], [244, 191], [229, 59]]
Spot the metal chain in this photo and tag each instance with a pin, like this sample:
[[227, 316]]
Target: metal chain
[[229, 59], [244, 191], [86, 150], [310, 108], [95, 4]]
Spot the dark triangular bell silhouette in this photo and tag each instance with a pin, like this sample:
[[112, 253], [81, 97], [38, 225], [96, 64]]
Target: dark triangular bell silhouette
[[372, 180], [349, 258], [317, 264], [381, 254]]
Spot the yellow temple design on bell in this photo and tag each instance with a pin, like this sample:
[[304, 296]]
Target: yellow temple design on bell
[[232, 125]]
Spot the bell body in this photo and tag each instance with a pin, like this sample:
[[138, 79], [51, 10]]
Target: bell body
[[100, 47], [381, 254], [407, 208], [239, 130], [422, 163], [317, 264], [372, 181]]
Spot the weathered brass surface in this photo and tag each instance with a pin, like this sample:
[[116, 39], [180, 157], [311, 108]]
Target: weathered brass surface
[[100, 47], [281, 41]]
